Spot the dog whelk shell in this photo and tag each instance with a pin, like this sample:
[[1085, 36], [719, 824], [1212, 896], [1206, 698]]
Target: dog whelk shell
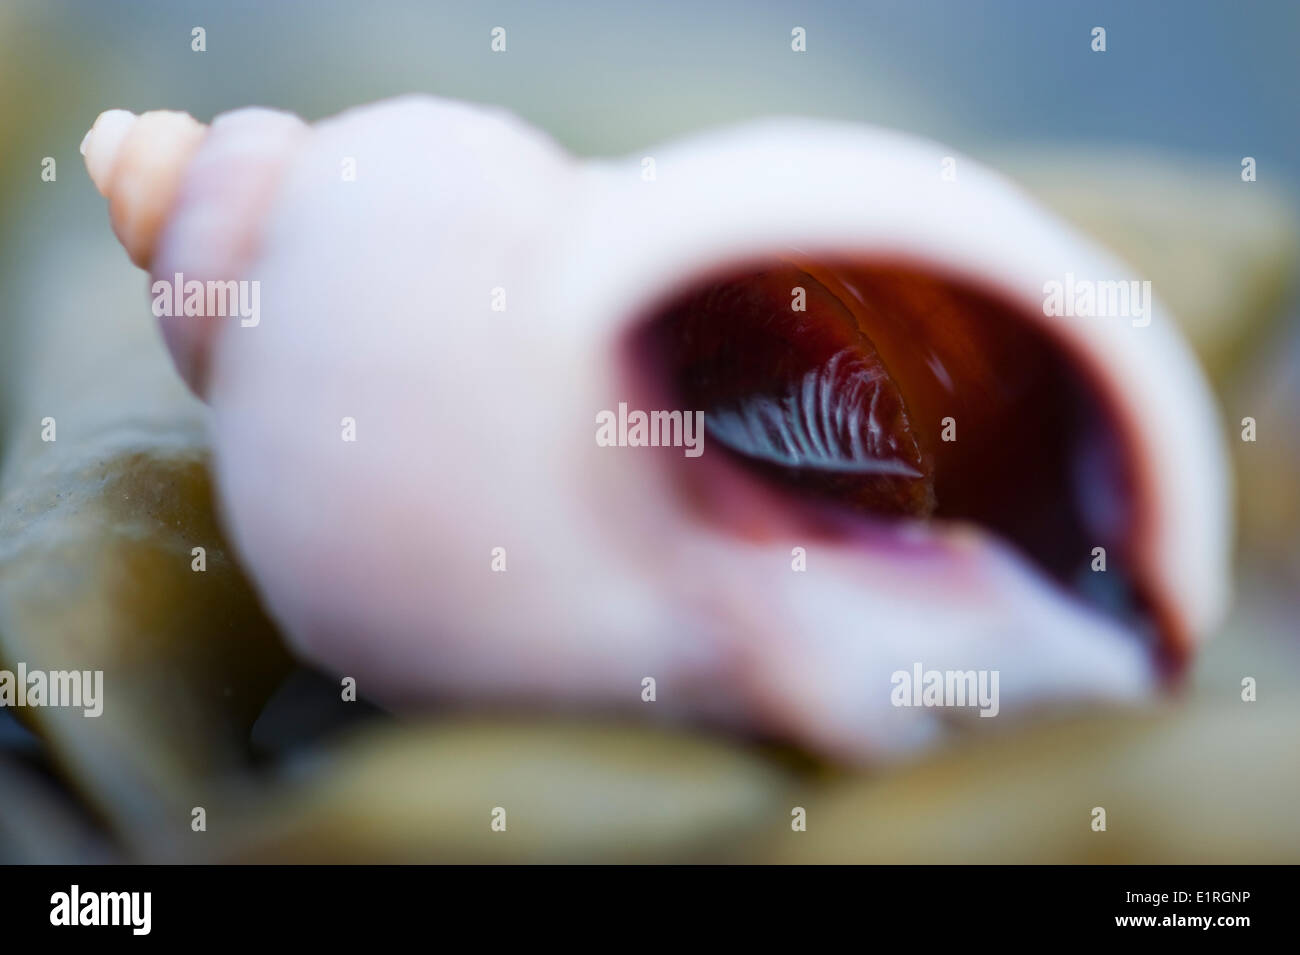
[[380, 549]]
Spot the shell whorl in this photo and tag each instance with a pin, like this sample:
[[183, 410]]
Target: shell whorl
[[137, 163], [188, 197]]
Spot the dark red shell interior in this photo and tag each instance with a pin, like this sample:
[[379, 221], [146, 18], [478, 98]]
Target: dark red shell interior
[[889, 391]]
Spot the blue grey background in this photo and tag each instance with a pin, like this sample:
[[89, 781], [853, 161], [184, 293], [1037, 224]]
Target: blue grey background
[[1214, 79]]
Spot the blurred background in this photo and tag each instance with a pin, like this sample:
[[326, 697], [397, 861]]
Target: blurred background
[[1141, 146]]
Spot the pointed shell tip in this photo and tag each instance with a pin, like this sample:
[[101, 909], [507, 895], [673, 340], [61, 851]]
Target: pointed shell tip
[[100, 146]]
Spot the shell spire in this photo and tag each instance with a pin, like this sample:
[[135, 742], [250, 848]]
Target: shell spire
[[137, 163]]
